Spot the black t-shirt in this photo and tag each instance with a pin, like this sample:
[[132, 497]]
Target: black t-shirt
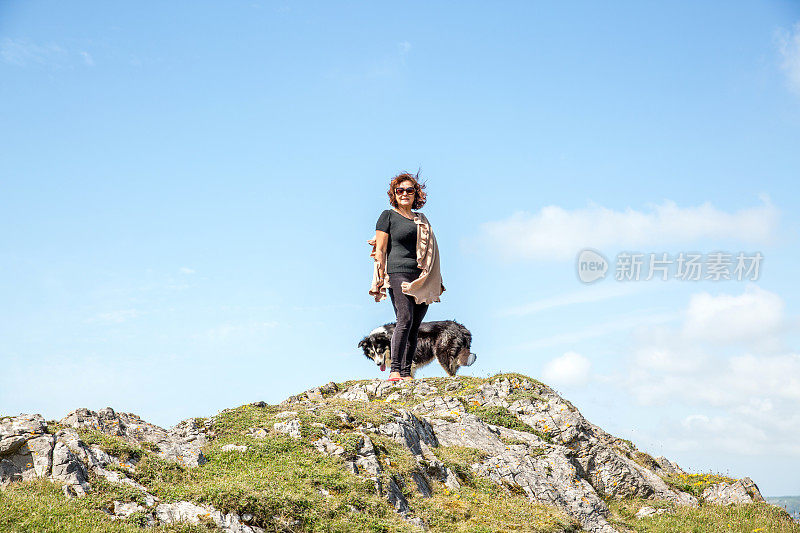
[[401, 251]]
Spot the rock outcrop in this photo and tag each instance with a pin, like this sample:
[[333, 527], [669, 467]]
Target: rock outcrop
[[182, 443], [526, 437]]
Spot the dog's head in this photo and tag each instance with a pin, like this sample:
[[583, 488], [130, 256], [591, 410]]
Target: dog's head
[[377, 346]]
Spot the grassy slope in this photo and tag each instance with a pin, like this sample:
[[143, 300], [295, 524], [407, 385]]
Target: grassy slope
[[283, 480]]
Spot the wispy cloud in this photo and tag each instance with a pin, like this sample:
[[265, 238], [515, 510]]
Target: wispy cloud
[[789, 49], [555, 233], [626, 322], [186, 270], [592, 293], [24, 53]]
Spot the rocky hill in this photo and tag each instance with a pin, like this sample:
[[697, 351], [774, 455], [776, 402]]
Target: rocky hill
[[504, 453]]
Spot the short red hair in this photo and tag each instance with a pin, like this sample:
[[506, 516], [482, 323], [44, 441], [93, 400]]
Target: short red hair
[[419, 196]]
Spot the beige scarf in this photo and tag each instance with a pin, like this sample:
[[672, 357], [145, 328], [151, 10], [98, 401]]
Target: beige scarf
[[428, 286]]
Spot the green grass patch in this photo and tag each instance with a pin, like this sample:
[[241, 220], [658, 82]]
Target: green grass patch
[[39, 506], [737, 518], [153, 470], [488, 508], [237, 421], [376, 413], [459, 459], [279, 476]]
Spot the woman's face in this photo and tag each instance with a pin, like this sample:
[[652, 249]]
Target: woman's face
[[406, 197]]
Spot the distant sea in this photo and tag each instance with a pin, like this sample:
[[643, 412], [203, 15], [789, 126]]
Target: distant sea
[[790, 503]]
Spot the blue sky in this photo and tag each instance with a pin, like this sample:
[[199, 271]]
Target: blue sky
[[187, 190]]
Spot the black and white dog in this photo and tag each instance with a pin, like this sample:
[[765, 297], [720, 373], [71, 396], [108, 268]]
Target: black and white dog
[[446, 340]]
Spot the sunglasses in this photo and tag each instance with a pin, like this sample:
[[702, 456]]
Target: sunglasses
[[409, 190]]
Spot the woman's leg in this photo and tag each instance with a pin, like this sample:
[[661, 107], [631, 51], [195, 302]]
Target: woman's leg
[[418, 313], [404, 311]]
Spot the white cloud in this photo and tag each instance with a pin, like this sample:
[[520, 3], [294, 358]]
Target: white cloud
[[570, 369], [186, 270], [751, 317], [555, 233], [721, 362], [789, 48]]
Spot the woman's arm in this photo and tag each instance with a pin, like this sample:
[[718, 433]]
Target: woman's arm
[[381, 243]]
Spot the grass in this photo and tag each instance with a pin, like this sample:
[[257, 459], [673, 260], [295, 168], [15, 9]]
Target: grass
[[39, 506], [279, 476], [458, 459], [737, 518], [488, 508]]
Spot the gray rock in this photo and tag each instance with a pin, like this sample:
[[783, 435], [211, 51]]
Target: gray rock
[[367, 458], [355, 393], [422, 484], [11, 444], [290, 427], [668, 467], [726, 493], [182, 443], [395, 496], [752, 489], [327, 446], [424, 389], [168, 513], [124, 510], [68, 468], [646, 511], [22, 425], [409, 429]]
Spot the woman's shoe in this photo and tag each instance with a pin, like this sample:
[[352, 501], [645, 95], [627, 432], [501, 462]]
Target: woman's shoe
[[407, 378], [396, 377]]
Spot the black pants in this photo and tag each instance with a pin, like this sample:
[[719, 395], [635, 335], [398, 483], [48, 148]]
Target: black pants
[[409, 316]]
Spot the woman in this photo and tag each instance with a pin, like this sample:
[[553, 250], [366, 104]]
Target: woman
[[407, 264]]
